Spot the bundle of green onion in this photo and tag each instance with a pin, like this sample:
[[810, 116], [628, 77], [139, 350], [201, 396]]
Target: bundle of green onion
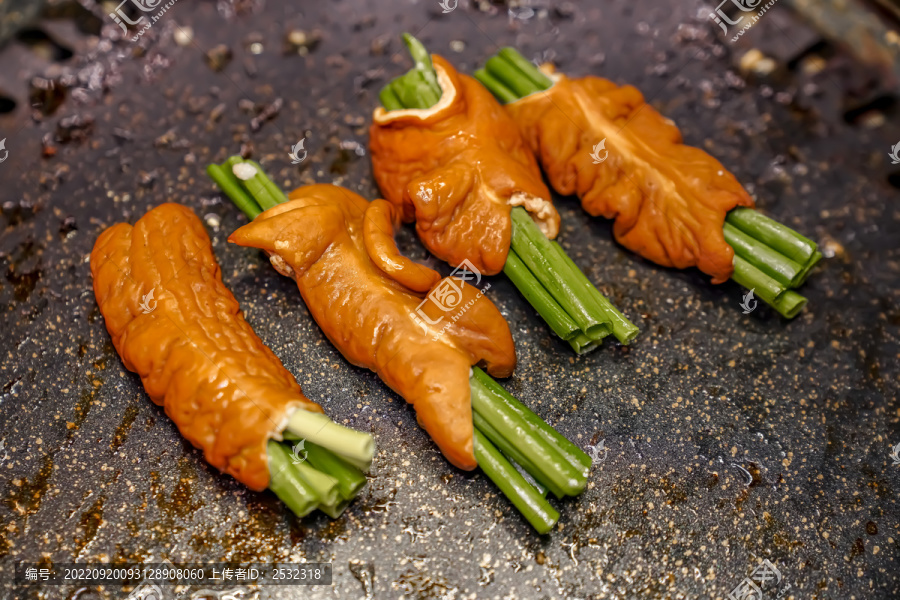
[[769, 258], [516, 449], [555, 287], [324, 467]]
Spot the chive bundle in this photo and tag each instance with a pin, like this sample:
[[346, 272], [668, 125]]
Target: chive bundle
[[769, 257], [328, 474], [516, 449], [551, 282]]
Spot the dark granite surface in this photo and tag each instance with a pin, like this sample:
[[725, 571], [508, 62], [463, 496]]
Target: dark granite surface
[[731, 438]]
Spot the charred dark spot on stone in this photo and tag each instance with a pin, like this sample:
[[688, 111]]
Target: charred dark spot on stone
[[340, 164], [121, 434], [88, 524], [7, 103], [47, 95], [881, 103], [25, 496], [23, 283], [857, 549], [75, 128], [218, 57], [44, 45], [80, 411], [871, 528]]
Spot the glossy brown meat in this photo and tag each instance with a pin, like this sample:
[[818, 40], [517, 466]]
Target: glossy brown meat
[[367, 306], [455, 169], [669, 200], [196, 355]]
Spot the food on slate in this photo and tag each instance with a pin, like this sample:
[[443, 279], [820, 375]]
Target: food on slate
[[175, 324], [421, 334], [673, 204], [448, 157]]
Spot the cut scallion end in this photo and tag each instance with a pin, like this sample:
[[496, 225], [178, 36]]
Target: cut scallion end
[[349, 479], [355, 447], [770, 291], [231, 187], [287, 484]]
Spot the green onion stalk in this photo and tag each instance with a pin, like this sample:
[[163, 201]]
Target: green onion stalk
[[769, 258], [551, 282], [319, 465], [524, 457]]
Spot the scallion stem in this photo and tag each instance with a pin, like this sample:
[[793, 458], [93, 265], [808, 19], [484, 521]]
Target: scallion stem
[[525, 67], [780, 238], [325, 486], [350, 480], [624, 330], [538, 296], [270, 185], [513, 452], [510, 76], [785, 301], [353, 446], [503, 93], [536, 251], [772, 263], [527, 500], [418, 87], [572, 453], [232, 188], [388, 98], [287, 484]]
